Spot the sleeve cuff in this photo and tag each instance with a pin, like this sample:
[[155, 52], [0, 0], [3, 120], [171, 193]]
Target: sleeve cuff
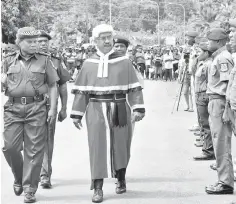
[[76, 114], [140, 110]]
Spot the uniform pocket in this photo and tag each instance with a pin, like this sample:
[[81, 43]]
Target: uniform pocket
[[13, 74], [217, 108], [38, 76]]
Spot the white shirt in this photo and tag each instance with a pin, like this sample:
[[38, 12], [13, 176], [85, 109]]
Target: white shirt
[[168, 64]]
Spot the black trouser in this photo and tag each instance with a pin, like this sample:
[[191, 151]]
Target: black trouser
[[175, 67], [168, 74], [147, 71], [142, 68], [202, 108]]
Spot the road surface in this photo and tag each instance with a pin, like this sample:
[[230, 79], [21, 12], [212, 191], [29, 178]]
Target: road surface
[[161, 169]]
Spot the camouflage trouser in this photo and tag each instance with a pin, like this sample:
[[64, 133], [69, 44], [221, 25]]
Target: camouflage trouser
[[25, 124]]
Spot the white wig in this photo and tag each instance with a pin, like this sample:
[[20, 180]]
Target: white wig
[[103, 28]]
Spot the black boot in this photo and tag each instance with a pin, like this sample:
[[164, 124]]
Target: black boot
[[121, 183], [98, 193]]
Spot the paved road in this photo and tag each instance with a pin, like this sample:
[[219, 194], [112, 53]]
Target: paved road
[[161, 170]]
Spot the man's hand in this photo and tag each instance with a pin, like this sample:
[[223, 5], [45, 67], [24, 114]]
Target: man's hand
[[77, 123], [62, 115], [136, 116], [51, 116], [225, 116]]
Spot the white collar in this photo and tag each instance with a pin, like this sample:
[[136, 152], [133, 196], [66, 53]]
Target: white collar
[[103, 63]]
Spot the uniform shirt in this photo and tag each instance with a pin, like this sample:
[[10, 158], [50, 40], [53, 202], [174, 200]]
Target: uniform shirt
[[201, 76], [231, 89], [62, 72], [23, 76], [219, 72]]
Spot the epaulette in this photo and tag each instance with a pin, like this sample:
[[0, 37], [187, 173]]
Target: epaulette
[[43, 53]]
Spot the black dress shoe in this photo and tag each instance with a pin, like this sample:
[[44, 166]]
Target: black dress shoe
[[120, 187], [204, 157], [45, 182], [18, 189], [213, 167], [97, 196], [29, 198], [98, 192], [219, 188]]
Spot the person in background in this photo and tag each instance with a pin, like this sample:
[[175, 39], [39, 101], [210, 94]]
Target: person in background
[[148, 60], [176, 57], [157, 61], [140, 60], [185, 78], [64, 76], [168, 64]]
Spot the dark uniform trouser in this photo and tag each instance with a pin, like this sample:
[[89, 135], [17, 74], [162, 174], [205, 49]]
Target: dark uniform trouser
[[47, 160], [221, 136], [203, 115], [25, 123]]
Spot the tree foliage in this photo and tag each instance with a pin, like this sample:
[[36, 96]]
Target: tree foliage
[[68, 20]]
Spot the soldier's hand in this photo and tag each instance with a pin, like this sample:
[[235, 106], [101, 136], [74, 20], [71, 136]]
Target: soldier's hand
[[136, 116], [77, 123], [225, 116], [62, 115], [51, 116]]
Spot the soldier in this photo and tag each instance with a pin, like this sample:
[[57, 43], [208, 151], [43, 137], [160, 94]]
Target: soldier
[[100, 90], [28, 77], [221, 131], [204, 61], [64, 76], [231, 90]]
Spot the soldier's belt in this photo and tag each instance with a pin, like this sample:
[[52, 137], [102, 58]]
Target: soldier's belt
[[215, 96], [107, 98], [26, 100]]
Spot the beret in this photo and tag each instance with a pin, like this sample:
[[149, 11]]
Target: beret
[[121, 39], [232, 22], [192, 34], [102, 28], [217, 34], [27, 32], [42, 33]]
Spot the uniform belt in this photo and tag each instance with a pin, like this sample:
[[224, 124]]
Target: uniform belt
[[108, 98], [215, 96], [26, 100]]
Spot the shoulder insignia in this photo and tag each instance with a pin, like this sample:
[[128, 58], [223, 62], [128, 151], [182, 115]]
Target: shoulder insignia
[[224, 67]]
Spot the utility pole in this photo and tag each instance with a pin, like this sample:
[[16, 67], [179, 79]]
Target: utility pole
[[110, 10], [87, 37]]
